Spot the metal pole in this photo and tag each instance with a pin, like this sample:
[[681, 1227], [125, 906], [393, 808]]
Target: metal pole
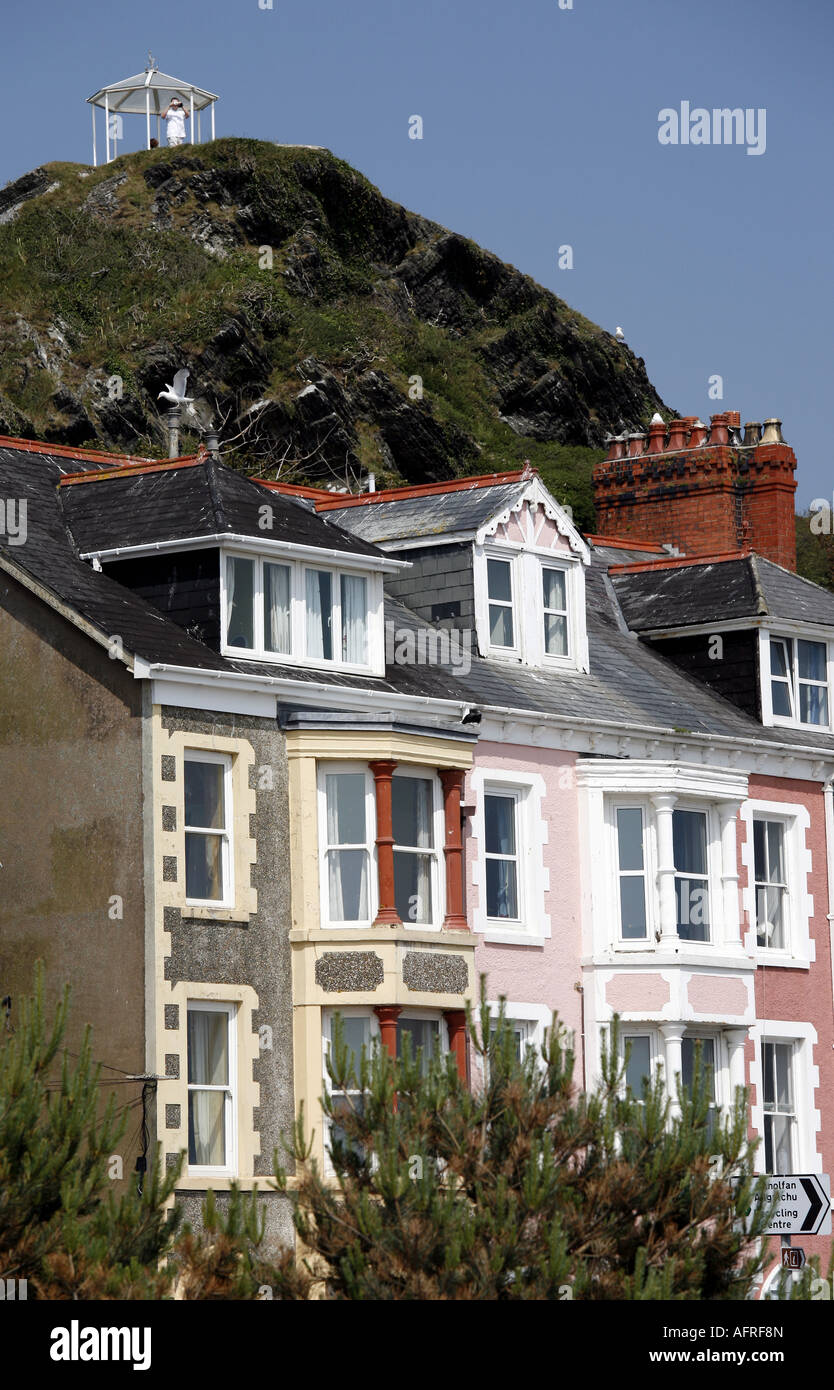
[[199, 136], [95, 158], [174, 432], [107, 128], [148, 115], [212, 120], [192, 115]]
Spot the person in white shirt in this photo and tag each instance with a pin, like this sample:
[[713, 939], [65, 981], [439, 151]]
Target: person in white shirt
[[176, 116]]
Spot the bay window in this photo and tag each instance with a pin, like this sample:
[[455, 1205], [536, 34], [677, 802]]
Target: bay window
[[399, 877], [691, 1048], [631, 867], [415, 853], [424, 1036], [356, 1036], [637, 1055], [211, 1087], [309, 613], [208, 820], [347, 848], [689, 832]]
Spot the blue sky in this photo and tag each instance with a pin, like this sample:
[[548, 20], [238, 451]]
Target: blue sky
[[540, 129]]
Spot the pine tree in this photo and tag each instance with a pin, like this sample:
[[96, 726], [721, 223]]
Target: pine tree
[[524, 1188], [63, 1229]]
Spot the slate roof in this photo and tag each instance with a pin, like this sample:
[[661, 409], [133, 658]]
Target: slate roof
[[460, 512], [629, 682], [198, 499], [50, 556], [747, 587]]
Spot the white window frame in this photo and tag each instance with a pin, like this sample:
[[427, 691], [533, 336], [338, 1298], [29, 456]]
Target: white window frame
[[656, 1055], [649, 875], [509, 559], [438, 866], [806, 1082], [516, 796], [230, 1109], [533, 1019], [429, 1016], [619, 943], [374, 1039], [297, 655], [721, 1088], [799, 950], [527, 566], [552, 658], [713, 874], [794, 636], [531, 837], [326, 768], [199, 755]]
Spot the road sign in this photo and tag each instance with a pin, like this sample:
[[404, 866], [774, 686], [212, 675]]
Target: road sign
[[793, 1257], [801, 1204]]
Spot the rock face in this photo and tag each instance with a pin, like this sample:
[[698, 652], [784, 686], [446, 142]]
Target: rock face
[[331, 331]]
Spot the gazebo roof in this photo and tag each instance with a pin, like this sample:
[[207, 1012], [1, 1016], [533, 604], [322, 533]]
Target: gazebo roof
[[130, 95]]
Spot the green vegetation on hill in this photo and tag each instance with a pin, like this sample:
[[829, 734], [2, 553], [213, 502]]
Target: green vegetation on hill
[[365, 337]]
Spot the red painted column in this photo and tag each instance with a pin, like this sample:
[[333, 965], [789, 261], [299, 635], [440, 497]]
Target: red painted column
[[388, 1015], [451, 780], [456, 1024], [387, 914]]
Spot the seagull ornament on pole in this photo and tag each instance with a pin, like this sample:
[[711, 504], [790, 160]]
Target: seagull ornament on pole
[[176, 393]]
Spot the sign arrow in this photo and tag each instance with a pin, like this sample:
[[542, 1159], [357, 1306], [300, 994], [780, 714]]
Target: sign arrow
[[815, 1203]]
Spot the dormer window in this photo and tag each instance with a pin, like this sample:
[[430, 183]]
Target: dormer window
[[796, 680], [308, 614], [530, 607]]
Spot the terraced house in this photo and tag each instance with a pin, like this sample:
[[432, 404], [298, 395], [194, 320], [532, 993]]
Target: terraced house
[[279, 753]]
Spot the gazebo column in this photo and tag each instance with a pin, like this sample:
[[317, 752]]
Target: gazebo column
[[106, 128], [95, 158], [192, 115], [148, 116], [212, 120]]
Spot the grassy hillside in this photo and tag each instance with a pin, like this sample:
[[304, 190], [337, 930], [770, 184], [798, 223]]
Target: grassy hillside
[[312, 313]]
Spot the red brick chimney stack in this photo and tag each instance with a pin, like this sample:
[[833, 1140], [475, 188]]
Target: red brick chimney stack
[[704, 490]]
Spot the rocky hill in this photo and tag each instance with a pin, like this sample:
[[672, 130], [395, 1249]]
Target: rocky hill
[[329, 331]]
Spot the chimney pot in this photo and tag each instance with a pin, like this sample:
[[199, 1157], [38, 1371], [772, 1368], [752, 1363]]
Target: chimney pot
[[677, 436], [719, 433], [772, 432], [698, 433], [637, 444], [657, 434], [733, 419], [752, 432]]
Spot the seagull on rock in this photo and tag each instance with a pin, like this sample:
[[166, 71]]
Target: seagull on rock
[[176, 393], [619, 334]]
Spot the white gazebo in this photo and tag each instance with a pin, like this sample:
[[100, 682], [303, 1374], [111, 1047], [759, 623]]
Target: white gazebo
[[147, 94]]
